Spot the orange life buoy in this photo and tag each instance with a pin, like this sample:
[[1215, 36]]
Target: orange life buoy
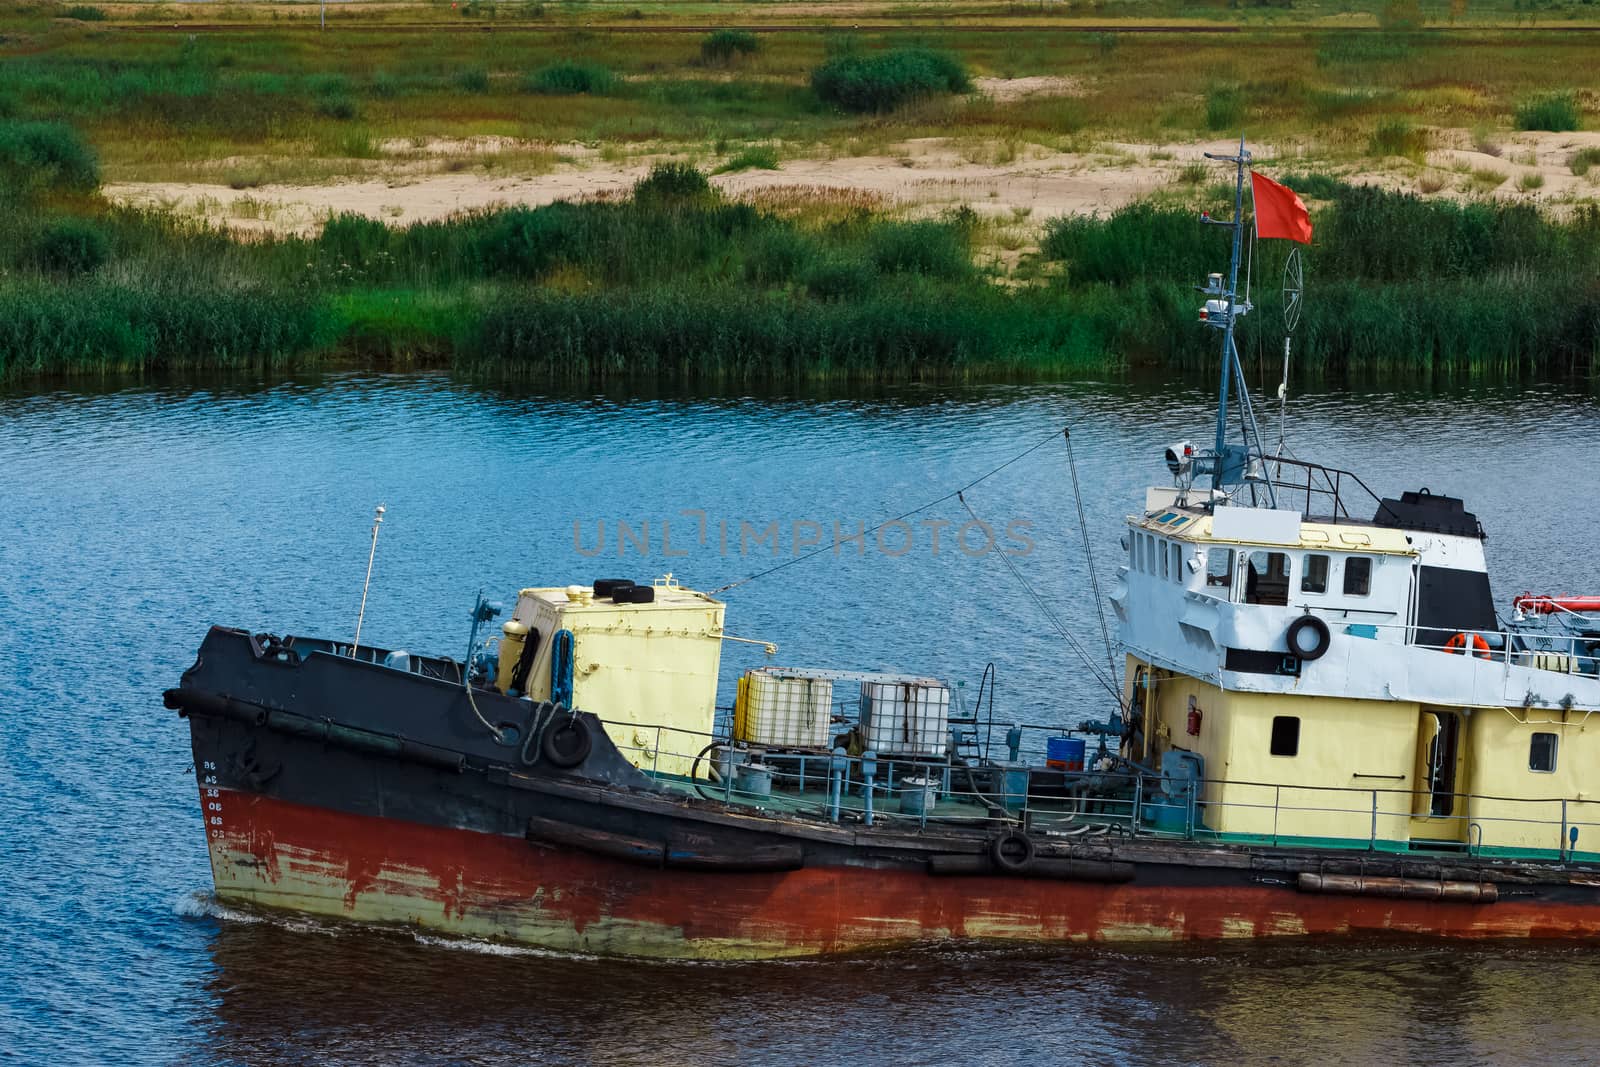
[[1460, 643]]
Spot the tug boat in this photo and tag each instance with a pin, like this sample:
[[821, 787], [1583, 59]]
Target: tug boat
[[1322, 727]]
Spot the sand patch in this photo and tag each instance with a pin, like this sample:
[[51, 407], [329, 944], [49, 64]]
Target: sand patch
[[1005, 90], [926, 176]]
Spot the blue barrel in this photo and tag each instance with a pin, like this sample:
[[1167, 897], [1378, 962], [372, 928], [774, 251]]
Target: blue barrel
[[1064, 753]]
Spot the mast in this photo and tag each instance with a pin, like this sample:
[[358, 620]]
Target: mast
[[1228, 352], [1233, 465]]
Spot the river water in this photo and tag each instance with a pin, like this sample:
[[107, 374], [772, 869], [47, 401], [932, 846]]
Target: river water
[[132, 518]]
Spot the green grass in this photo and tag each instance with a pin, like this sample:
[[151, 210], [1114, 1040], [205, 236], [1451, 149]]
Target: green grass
[[1397, 137], [756, 157], [1556, 111], [884, 81], [1224, 107], [571, 79], [678, 282], [723, 46], [41, 156], [1583, 159]]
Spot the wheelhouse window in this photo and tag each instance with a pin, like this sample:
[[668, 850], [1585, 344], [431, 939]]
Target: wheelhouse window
[[1219, 567], [1357, 576], [1176, 551], [1542, 753], [1285, 735], [1314, 575], [1166, 560], [1266, 578]]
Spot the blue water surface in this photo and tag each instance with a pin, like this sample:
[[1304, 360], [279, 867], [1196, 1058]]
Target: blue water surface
[[131, 518]]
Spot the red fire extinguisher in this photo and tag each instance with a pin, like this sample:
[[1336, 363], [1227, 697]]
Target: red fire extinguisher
[[1195, 715]]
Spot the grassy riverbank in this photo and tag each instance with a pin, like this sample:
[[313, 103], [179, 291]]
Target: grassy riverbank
[[678, 282], [901, 192]]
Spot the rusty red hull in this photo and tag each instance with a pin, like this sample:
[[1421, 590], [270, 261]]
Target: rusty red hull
[[285, 855]]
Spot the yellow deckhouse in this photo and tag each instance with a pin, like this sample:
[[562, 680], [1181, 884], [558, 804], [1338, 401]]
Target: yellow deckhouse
[[1308, 663], [1346, 681]]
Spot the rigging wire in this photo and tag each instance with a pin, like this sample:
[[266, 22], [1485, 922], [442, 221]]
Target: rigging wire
[[1044, 608], [1088, 552], [898, 518]]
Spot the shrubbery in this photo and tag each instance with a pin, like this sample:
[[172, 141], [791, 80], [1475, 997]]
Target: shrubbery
[[570, 79], [1557, 112], [72, 246], [885, 80], [37, 155], [721, 46]]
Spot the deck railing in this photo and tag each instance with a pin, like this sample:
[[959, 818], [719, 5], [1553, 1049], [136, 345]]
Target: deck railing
[[1563, 653], [873, 788]]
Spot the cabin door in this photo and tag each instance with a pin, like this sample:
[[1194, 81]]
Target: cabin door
[[1439, 803]]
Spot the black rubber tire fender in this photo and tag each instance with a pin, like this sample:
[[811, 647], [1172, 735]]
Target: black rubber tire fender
[[566, 741], [635, 594], [1013, 852], [604, 587], [1298, 627]]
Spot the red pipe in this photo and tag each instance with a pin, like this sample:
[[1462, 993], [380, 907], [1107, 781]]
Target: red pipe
[[1549, 605]]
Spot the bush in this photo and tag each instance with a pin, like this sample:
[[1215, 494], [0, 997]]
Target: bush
[[354, 239], [1315, 186], [1397, 137], [528, 242], [1363, 46], [337, 107], [887, 80], [671, 182], [931, 249], [37, 155], [778, 256], [838, 277], [722, 45], [84, 13], [570, 79], [759, 157], [1557, 112], [72, 247], [1583, 159], [473, 80]]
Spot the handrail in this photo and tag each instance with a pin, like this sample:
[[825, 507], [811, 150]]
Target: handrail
[[1573, 646], [1333, 477], [833, 785]]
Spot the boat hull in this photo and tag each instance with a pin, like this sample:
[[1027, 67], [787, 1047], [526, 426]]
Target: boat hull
[[273, 853]]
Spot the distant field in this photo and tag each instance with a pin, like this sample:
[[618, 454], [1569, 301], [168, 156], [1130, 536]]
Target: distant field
[[893, 194], [265, 95]]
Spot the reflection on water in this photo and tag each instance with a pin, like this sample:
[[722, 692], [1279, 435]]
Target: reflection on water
[[134, 517], [374, 997]]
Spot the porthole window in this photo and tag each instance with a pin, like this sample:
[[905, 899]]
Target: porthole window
[[1542, 753], [1285, 735]]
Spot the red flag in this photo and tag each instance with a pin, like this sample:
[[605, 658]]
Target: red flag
[[1279, 212]]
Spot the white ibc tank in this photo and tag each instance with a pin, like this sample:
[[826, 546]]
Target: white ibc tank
[[910, 718], [782, 708]]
